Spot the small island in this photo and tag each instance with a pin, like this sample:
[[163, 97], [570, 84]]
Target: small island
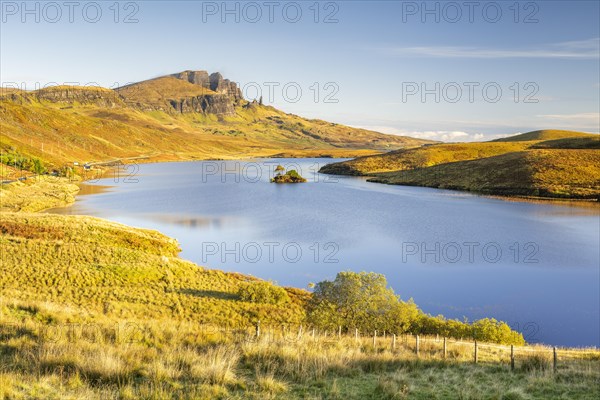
[[290, 176]]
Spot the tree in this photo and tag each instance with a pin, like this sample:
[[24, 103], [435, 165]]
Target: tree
[[359, 300], [279, 169]]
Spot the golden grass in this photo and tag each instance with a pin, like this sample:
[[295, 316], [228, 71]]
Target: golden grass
[[48, 352], [37, 193], [573, 174], [557, 164], [122, 271]]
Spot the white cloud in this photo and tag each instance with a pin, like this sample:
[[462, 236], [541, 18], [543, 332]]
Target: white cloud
[[583, 49], [443, 136]]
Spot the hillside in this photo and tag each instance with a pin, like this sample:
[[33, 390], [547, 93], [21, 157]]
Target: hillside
[[540, 173], [546, 134], [558, 164], [421, 157], [190, 115]]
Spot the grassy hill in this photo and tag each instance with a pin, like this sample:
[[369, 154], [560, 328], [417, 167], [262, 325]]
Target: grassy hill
[[545, 134], [558, 164], [539, 173], [61, 125]]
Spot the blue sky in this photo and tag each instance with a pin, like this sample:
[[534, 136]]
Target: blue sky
[[373, 59]]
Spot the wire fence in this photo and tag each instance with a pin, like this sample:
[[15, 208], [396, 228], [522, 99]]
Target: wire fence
[[419, 346]]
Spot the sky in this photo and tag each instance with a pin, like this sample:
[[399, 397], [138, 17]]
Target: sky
[[452, 71]]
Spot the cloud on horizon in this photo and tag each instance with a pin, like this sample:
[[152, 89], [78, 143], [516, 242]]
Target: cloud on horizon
[[582, 49], [443, 136]]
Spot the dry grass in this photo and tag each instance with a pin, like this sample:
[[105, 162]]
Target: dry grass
[[48, 352], [558, 164], [37, 193]]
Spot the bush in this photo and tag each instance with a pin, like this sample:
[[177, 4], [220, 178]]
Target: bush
[[263, 292]]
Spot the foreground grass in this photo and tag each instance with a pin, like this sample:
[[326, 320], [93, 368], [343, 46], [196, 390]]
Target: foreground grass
[[51, 351]]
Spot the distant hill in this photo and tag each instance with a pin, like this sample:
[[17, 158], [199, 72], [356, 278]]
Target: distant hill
[[547, 134], [558, 164], [188, 115], [538, 173]]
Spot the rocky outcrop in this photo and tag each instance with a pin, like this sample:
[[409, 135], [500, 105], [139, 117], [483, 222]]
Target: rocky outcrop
[[200, 78], [214, 82], [223, 103], [225, 86], [70, 95], [212, 104]]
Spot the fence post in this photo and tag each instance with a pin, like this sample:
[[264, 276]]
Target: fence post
[[257, 329], [394, 341], [445, 352], [554, 359], [475, 356], [339, 332], [512, 357], [374, 338], [313, 333], [417, 345], [300, 332], [356, 334]]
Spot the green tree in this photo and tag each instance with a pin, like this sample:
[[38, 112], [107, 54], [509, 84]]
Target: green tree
[[359, 300]]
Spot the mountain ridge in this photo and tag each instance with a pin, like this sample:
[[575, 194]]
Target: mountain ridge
[[172, 117]]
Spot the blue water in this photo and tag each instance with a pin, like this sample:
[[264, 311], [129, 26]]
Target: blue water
[[536, 266]]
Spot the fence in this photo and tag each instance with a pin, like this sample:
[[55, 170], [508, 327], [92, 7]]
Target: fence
[[420, 347]]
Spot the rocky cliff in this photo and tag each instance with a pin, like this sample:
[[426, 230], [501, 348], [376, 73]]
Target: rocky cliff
[[184, 92]]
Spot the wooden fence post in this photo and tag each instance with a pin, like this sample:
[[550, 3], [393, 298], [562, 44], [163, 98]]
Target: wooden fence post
[[417, 345], [313, 333], [374, 338], [257, 329], [339, 332], [394, 342], [475, 355], [356, 334], [554, 359], [300, 332], [445, 349], [512, 357]]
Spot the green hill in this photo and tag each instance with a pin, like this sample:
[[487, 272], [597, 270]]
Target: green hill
[[560, 164]]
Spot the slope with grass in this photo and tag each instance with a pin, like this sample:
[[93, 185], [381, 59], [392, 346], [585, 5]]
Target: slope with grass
[[168, 118], [558, 164], [538, 173]]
